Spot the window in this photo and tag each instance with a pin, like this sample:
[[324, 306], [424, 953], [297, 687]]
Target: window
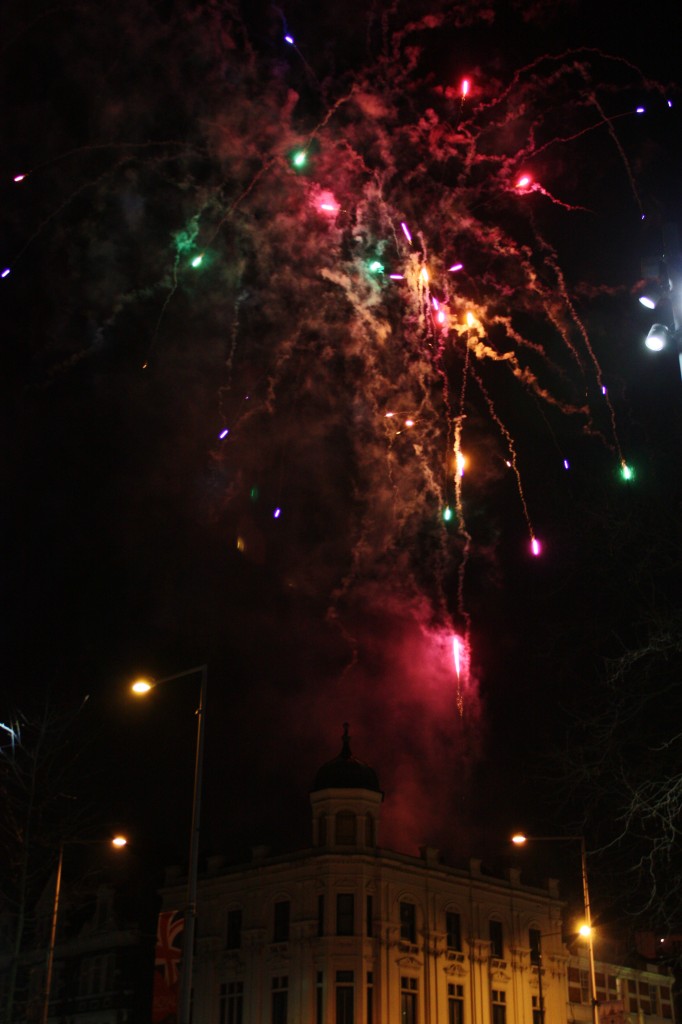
[[408, 922], [455, 1004], [370, 997], [345, 827], [280, 1000], [453, 930], [653, 997], [234, 929], [496, 939], [345, 997], [319, 998], [369, 914], [408, 1001], [320, 914], [96, 975], [322, 830], [231, 1002], [345, 913], [280, 931], [499, 1006], [370, 831], [538, 1014], [586, 988], [535, 943], [104, 908]]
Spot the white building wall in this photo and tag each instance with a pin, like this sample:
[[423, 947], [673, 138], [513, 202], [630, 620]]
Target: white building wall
[[389, 879]]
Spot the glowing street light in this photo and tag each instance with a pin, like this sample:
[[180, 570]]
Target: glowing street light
[[657, 338], [117, 841], [140, 688], [585, 929], [665, 296]]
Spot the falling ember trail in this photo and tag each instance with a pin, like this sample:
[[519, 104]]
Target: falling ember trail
[[456, 652]]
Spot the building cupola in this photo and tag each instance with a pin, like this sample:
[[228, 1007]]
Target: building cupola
[[346, 800]]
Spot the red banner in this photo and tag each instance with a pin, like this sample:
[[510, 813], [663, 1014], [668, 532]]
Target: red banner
[[166, 967]]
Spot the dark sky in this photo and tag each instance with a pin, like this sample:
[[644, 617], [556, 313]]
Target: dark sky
[[138, 539]]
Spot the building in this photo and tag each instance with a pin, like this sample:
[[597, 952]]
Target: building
[[348, 933], [97, 976]]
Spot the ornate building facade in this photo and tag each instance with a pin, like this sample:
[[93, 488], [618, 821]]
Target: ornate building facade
[[348, 933]]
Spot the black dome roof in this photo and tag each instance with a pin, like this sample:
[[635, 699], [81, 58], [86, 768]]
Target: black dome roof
[[346, 772]]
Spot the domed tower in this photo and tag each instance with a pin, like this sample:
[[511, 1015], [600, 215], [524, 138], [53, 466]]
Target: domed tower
[[346, 802]]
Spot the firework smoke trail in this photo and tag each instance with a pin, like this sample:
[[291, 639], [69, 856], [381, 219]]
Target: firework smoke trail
[[314, 224]]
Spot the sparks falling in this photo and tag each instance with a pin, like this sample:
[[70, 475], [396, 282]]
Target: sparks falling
[[357, 253]]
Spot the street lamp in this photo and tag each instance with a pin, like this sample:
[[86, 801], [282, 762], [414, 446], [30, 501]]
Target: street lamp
[[141, 687], [586, 929], [119, 842]]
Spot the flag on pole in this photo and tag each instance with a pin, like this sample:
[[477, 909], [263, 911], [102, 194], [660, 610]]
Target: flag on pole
[[166, 967]]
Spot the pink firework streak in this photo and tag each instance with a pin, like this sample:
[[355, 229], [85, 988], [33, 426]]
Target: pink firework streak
[[457, 656]]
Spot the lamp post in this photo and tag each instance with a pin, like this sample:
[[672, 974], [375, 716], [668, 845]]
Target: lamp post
[[586, 930], [117, 841], [141, 687]]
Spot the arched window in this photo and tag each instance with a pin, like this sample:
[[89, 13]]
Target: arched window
[[408, 921], [496, 939], [345, 827], [453, 931]]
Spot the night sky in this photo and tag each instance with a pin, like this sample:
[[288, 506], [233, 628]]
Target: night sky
[[232, 437]]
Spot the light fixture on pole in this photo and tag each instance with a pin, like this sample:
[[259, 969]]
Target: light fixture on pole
[[141, 687], [657, 338], [664, 294], [586, 929], [119, 842]]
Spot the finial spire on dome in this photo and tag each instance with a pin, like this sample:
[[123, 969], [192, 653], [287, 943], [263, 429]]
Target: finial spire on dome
[[345, 771], [345, 749]]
